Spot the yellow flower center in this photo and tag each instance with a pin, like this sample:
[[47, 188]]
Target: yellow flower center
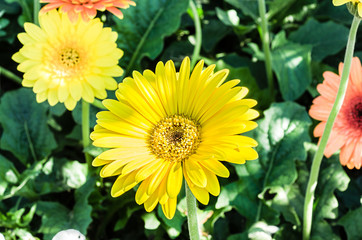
[[69, 57], [66, 62], [175, 138]]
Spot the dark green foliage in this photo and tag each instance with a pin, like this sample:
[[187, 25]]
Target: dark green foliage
[[144, 27], [26, 133], [326, 38], [46, 186]]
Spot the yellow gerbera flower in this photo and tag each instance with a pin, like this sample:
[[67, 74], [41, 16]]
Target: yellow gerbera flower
[[166, 125], [357, 3], [65, 61]]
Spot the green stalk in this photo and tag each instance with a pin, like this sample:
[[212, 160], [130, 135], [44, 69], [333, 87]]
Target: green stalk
[[313, 178], [85, 131], [10, 75], [36, 10], [98, 104], [191, 214], [198, 35], [264, 35]]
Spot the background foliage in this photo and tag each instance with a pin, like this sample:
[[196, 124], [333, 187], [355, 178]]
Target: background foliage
[[45, 186]]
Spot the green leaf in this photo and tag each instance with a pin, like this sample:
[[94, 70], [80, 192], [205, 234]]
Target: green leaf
[[15, 218], [323, 230], [229, 18], [177, 51], [8, 174], [25, 184], [281, 136], [249, 8], [19, 233], [212, 33], [56, 217], [74, 173], [290, 200], [325, 9], [246, 80], [261, 231], [57, 175], [279, 40], [238, 236], [173, 226], [126, 213], [242, 195], [327, 38], [332, 177], [82, 210], [352, 223], [3, 23], [291, 64], [144, 27], [24, 121], [278, 6], [151, 221]]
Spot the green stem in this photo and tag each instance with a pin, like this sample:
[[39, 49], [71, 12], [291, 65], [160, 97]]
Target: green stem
[[313, 178], [10, 75], [198, 34], [192, 214], [264, 35], [36, 9], [98, 104], [85, 131]]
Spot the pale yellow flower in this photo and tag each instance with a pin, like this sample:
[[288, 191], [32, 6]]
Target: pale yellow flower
[[65, 62]]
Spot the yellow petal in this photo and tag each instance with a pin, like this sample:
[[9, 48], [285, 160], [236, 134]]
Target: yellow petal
[[213, 185], [169, 208], [136, 164], [174, 180], [216, 167], [113, 142], [340, 2], [123, 184], [149, 169], [200, 193], [182, 84], [34, 31], [141, 194], [157, 177], [151, 202], [195, 173], [70, 103]]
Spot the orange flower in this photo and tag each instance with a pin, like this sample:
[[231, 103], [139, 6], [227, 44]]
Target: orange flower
[[347, 130], [87, 8]]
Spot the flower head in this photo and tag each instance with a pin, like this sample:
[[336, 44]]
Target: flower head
[[65, 62], [86, 8], [168, 125], [355, 6], [347, 129]]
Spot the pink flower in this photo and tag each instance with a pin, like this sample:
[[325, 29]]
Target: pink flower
[[346, 134], [86, 8]]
